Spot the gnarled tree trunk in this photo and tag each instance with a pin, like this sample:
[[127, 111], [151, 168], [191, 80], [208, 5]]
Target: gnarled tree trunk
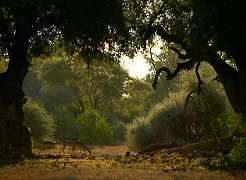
[[234, 82], [15, 138]]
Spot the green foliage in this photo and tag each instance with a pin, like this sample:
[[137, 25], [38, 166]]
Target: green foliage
[[55, 96], [237, 156], [67, 87], [134, 99], [205, 116], [196, 31], [119, 131], [3, 64], [66, 126], [40, 122], [94, 128], [235, 159], [79, 25], [158, 126], [224, 123]]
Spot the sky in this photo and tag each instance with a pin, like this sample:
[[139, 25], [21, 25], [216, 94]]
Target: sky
[[137, 67]]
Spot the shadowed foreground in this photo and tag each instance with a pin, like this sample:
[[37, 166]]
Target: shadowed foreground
[[111, 163], [24, 172]]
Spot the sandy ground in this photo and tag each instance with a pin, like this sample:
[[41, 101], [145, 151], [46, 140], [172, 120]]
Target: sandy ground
[[25, 173], [122, 149], [103, 169]]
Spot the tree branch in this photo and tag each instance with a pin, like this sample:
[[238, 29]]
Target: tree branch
[[187, 100], [147, 33], [151, 56], [186, 65], [181, 56], [200, 82]]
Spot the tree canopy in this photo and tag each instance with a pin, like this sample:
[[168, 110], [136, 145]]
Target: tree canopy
[[197, 30], [87, 25], [91, 28]]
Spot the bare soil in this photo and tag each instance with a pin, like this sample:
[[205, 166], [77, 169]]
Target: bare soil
[[110, 162]]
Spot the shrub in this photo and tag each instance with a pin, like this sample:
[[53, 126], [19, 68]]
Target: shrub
[[66, 125], [158, 125], [235, 159], [237, 156], [119, 131], [94, 128], [206, 116], [40, 122]]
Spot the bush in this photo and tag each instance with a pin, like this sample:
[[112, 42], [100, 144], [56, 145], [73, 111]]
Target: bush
[[119, 131], [158, 126], [66, 125], [40, 122], [237, 156], [235, 159], [94, 128], [206, 116]]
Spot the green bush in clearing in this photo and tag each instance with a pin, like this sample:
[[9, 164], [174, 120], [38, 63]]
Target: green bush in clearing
[[119, 131], [158, 125], [207, 115], [94, 129], [40, 122], [237, 156], [168, 122]]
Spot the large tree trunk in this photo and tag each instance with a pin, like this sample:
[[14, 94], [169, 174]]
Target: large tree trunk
[[234, 82], [15, 138]]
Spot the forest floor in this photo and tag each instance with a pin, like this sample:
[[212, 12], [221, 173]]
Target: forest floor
[[111, 162]]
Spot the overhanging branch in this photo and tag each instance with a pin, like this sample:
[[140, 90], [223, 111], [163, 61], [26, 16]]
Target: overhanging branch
[[181, 56], [186, 65]]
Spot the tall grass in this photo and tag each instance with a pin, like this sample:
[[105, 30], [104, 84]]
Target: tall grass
[[168, 122]]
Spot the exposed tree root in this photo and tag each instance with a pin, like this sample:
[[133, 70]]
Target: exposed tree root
[[211, 146]]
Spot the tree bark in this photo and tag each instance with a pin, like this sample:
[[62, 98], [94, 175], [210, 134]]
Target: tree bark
[[233, 81], [15, 137]]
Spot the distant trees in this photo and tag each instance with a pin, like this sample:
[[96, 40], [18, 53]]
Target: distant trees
[[68, 88]]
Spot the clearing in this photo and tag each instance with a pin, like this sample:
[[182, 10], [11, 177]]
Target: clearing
[[111, 162]]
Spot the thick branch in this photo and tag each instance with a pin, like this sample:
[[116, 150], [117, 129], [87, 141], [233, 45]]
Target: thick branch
[[186, 65], [159, 30], [200, 82], [181, 56], [187, 100], [151, 56]]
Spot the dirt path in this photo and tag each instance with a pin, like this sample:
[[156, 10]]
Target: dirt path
[[25, 173], [109, 162]]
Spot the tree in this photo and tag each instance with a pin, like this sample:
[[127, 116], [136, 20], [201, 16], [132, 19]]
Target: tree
[[99, 86], [197, 30], [34, 28]]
